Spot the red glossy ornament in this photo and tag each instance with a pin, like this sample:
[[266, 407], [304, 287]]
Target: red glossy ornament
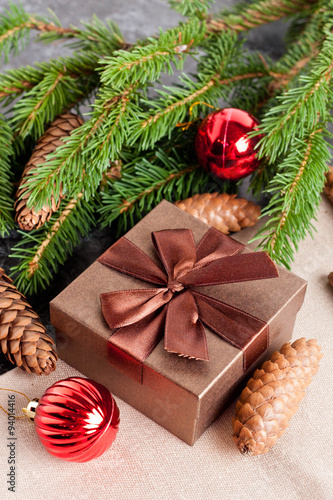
[[223, 146], [76, 419]]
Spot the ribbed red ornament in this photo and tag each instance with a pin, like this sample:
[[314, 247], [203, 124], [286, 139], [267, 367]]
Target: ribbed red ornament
[[222, 144], [77, 419]]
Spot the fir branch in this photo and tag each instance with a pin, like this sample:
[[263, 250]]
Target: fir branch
[[285, 74], [16, 81], [282, 80], [303, 47], [63, 82], [174, 106], [16, 25], [144, 183], [14, 30], [34, 262], [220, 70], [264, 96], [102, 38], [296, 192], [171, 109], [42, 104], [191, 7], [12, 91], [41, 252], [127, 206], [97, 142], [299, 107], [6, 187], [300, 52], [50, 27], [250, 15], [146, 62]]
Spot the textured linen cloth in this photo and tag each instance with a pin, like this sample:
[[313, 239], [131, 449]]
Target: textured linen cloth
[[147, 462]]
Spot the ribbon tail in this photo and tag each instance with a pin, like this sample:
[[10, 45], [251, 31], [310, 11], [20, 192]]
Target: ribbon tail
[[242, 330], [141, 338], [184, 332]]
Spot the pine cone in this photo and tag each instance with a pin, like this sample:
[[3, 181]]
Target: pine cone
[[225, 212], [330, 278], [272, 396], [23, 338], [328, 189], [28, 218]]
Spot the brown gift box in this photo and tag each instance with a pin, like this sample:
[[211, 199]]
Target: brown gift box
[[183, 395]]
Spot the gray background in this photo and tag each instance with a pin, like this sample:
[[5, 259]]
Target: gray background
[[136, 19]]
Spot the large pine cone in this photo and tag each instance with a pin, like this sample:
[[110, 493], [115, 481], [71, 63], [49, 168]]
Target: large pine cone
[[23, 338], [28, 218], [225, 212], [272, 396]]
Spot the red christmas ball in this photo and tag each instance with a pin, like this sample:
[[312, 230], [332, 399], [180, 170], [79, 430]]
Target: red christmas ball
[[222, 144], [77, 419]]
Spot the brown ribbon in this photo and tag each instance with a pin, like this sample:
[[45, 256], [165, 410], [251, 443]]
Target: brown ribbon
[[173, 307]]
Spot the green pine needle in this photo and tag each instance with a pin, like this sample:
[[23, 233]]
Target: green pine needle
[[191, 7], [63, 83], [6, 187], [97, 36], [144, 63], [299, 107], [295, 191], [146, 182], [14, 31], [41, 252]]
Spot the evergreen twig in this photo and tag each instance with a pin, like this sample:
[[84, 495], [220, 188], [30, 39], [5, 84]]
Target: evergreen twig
[[297, 128], [6, 195], [300, 180], [145, 182], [146, 62], [249, 15], [97, 142], [41, 252], [191, 7]]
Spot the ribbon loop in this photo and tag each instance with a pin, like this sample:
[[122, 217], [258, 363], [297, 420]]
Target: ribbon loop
[[127, 258], [126, 307], [178, 254], [174, 308]]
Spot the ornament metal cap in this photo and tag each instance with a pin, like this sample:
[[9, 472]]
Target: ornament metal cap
[[30, 410]]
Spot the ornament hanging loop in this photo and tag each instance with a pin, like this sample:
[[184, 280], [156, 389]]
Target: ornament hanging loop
[[30, 410], [186, 125], [17, 392]]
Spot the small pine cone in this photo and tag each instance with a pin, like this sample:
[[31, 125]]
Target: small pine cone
[[272, 396], [23, 338], [225, 212], [28, 218], [330, 278]]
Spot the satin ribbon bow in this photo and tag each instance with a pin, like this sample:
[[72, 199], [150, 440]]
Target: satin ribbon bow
[[173, 307]]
